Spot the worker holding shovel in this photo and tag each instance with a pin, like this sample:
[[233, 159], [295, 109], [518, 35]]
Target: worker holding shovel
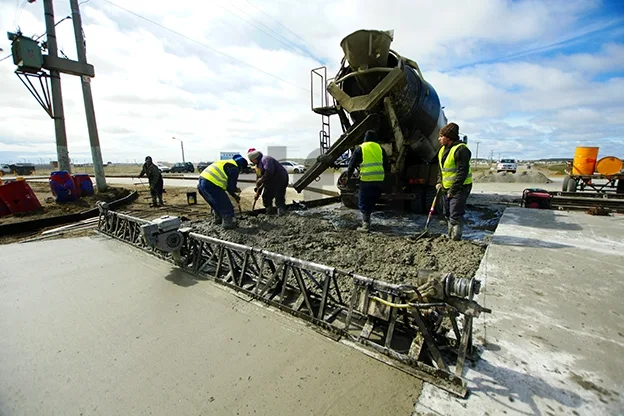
[[217, 179], [455, 181]]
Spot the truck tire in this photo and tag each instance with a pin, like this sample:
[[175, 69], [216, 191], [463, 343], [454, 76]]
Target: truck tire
[[572, 185], [564, 186], [350, 201]]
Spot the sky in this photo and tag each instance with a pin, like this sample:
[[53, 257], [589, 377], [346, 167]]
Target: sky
[[524, 79]]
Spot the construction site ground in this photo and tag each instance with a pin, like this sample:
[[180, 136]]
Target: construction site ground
[[553, 344]]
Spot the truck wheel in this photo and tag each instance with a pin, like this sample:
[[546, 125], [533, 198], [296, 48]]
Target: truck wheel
[[572, 185], [350, 201], [564, 186], [513, 171]]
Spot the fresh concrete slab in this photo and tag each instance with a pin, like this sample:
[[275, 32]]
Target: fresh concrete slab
[[554, 343], [94, 326]]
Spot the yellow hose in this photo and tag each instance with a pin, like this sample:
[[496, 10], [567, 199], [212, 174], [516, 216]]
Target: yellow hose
[[390, 304]]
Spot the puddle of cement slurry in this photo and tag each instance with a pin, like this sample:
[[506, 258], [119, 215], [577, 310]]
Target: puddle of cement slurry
[[94, 326]]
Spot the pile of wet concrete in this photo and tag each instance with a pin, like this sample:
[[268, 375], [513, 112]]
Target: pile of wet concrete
[[518, 177], [330, 238]]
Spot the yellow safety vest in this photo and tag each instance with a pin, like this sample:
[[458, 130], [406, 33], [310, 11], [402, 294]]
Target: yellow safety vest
[[371, 169], [215, 173], [449, 169]]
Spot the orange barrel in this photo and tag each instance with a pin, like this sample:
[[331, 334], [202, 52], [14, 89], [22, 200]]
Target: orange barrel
[[584, 160], [609, 165]]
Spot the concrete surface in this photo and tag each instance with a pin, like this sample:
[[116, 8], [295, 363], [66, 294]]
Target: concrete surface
[[554, 343], [94, 326]]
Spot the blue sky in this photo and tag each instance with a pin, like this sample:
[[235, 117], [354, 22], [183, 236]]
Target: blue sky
[[528, 79]]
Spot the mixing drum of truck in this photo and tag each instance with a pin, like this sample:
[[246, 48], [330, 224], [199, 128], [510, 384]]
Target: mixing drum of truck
[[376, 88]]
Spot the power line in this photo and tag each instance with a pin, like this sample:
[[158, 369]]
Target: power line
[[205, 46], [298, 48], [282, 25]]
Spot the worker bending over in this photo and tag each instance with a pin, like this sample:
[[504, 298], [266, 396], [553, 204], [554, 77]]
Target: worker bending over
[[273, 180], [214, 181], [155, 180]]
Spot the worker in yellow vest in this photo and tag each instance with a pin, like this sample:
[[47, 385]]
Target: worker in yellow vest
[[217, 179], [373, 164], [455, 179]]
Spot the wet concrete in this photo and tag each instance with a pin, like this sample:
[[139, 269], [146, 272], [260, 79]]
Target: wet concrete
[[390, 252], [94, 326], [554, 343]]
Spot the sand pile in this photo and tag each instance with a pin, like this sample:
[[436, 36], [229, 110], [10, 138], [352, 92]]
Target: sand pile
[[520, 177]]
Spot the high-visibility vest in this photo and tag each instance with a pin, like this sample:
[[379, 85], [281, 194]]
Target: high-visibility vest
[[449, 169], [371, 169], [215, 173]]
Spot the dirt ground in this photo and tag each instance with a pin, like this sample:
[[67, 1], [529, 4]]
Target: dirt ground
[[49, 207], [381, 254], [518, 177]]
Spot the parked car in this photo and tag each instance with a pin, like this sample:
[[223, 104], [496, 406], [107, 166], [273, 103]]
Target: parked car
[[507, 165], [202, 165], [292, 167], [5, 170], [182, 167], [163, 168]]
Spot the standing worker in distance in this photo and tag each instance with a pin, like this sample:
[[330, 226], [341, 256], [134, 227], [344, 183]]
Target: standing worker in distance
[[373, 163], [214, 181], [274, 179], [455, 180], [155, 180]]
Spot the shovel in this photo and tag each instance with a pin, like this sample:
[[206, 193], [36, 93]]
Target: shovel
[[256, 197], [421, 235]]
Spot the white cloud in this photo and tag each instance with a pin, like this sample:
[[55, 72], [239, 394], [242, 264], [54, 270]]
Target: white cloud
[[152, 84]]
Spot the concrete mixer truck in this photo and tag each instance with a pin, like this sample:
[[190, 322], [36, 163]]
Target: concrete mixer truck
[[376, 88]]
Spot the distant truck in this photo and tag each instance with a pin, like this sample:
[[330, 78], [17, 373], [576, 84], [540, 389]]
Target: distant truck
[[21, 169]]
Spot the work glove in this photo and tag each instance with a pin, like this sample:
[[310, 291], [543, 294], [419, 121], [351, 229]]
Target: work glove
[[438, 186], [238, 191], [237, 198]]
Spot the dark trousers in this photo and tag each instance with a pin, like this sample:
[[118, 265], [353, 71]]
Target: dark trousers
[[156, 190], [274, 191], [455, 207], [216, 198], [370, 192]]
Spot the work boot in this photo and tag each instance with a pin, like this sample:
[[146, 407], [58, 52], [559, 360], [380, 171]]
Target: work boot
[[271, 211], [457, 232], [281, 210], [217, 218], [228, 222], [366, 221]]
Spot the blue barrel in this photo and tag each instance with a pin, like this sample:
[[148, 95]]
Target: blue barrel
[[83, 184], [62, 186]]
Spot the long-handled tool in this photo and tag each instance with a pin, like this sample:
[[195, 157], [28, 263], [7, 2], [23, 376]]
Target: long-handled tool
[[257, 196], [433, 204]]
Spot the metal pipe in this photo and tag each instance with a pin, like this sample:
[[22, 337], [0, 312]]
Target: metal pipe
[[362, 72]]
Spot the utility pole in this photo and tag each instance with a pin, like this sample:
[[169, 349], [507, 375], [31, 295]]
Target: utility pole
[[181, 142], [55, 86], [96, 151], [477, 157], [491, 156]]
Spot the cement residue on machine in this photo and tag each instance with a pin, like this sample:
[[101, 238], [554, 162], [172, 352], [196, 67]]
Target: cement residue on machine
[[328, 236], [520, 177]]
